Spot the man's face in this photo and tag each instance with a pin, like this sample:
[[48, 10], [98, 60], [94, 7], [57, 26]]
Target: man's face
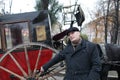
[[74, 37]]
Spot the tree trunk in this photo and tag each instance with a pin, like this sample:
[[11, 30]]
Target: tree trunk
[[106, 21], [116, 22], [45, 4]]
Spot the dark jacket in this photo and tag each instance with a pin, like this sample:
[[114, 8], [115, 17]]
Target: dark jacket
[[83, 63]]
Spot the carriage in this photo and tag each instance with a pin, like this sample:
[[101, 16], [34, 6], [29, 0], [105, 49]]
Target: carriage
[[25, 45]]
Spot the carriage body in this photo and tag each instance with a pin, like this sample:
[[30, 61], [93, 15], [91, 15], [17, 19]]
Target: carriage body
[[24, 28]]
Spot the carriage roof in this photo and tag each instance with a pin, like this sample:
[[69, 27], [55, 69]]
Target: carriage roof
[[20, 16]]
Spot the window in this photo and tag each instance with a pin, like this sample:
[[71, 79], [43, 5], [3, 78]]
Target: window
[[41, 33], [16, 33]]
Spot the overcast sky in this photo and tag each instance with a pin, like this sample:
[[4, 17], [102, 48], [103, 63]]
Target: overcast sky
[[20, 6], [28, 5]]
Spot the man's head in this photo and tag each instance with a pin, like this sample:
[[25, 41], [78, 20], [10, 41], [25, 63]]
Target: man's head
[[74, 35]]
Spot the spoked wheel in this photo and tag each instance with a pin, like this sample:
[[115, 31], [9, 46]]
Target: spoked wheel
[[23, 61]]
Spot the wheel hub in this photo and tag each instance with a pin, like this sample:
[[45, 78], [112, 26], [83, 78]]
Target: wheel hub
[[31, 79]]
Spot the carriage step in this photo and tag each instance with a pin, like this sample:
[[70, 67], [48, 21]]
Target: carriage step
[[112, 75]]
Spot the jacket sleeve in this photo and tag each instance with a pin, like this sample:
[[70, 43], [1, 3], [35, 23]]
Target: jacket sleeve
[[58, 57], [95, 64]]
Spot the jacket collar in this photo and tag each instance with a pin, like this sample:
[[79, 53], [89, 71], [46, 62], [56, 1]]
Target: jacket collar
[[80, 46]]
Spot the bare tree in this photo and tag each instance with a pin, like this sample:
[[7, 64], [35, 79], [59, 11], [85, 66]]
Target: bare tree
[[110, 10], [10, 5], [115, 28], [2, 7], [106, 21], [99, 18]]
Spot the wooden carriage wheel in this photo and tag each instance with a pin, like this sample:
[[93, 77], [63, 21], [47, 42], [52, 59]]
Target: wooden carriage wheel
[[23, 64]]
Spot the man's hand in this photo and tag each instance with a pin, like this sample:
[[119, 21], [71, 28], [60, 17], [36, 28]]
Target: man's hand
[[40, 71]]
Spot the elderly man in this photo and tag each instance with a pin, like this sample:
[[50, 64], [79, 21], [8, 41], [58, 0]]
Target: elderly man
[[81, 58]]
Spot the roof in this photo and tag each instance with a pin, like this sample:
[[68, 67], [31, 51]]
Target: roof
[[20, 16]]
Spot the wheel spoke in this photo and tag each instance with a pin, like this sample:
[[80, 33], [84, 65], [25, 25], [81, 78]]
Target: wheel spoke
[[16, 62], [5, 69], [38, 58], [52, 74], [53, 77], [27, 61]]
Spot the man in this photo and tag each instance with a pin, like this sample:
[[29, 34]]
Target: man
[[81, 58]]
